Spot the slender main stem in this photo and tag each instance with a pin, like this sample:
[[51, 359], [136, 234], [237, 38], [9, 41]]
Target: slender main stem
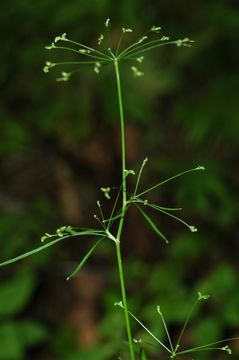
[[122, 131], [123, 210]]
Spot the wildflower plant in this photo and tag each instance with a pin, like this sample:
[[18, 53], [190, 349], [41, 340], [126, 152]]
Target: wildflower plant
[[98, 57]]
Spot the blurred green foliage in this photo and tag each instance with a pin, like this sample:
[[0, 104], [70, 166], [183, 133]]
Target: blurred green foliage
[[59, 145]]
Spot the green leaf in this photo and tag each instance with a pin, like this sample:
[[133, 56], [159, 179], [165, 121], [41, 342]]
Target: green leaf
[[85, 258], [53, 242], [15, 294], [30, 333], [16, 338], [32, 252], [9, 343], [152, 224]]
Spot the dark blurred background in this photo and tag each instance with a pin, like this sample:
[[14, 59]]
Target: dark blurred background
[[59, 143]]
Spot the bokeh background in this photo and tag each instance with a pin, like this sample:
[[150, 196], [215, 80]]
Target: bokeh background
[[59, 143]]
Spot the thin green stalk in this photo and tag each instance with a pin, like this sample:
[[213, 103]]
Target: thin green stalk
[[158, 208], [169, 179], [77, 63], [124, 300], [87, 47], [121, 222], [166, 328], [150, 333], [206, 346], [186, 323], [82, 53], [139, 176], [119, 43], [145, 46], [122, 131]]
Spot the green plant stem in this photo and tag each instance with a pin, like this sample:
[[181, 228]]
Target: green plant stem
[[121, 222], [122, 131]]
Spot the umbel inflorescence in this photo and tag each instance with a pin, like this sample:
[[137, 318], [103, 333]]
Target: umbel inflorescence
[[104, 53]]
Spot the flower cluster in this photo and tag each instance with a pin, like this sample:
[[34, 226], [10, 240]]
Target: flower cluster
[[106, 54]]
